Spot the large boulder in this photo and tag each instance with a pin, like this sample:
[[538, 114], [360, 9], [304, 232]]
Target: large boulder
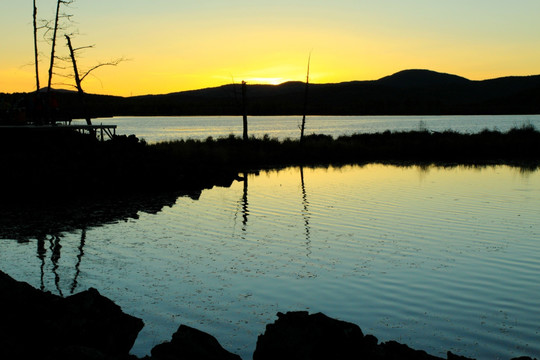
[[393, 350], [36, 324], [96, 322], [301, 336], [191, 344]]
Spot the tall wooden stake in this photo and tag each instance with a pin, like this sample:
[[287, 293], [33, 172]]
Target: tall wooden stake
[[78, 81], [244, 110], [305, 102]]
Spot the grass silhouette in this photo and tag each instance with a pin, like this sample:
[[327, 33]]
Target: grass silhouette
[[66, 163]]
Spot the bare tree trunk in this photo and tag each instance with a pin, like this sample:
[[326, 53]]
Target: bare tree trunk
[[244, 110], [305, 102], [36, 47], [37, 109], [78, 81], [53, 46]]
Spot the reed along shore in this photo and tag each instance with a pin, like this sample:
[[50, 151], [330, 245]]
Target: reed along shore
[[70, 163]]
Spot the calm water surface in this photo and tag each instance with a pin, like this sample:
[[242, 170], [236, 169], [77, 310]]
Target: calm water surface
[[155, 129], [437, 258]]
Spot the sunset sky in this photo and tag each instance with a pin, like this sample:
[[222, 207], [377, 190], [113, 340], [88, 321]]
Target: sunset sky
[[175, 45]]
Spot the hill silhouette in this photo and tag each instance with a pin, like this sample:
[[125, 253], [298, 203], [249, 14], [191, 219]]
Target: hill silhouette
[[408, 92], [422, 78]]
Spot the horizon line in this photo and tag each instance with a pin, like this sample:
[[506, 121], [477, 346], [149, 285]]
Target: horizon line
[[276, 84]]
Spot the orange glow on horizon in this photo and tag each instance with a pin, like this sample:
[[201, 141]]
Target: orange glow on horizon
[[179, 45], [266, 81]]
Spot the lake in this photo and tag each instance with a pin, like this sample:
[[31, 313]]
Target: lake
[[155, 129], [437, 258]]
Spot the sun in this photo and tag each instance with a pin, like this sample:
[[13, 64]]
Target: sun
[[266, 80]]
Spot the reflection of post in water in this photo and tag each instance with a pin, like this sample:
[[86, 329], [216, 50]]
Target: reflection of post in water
[[305, 212], [78, 264], [243, 203], [41, 251], [55, 256], [245, 211]]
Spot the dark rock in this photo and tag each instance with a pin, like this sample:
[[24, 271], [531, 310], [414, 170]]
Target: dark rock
[[192, 344], [36, 324], [298, 335], [301, 336], [97, 322], [451, 356], [81, 353], [88, 326], [395, 350]]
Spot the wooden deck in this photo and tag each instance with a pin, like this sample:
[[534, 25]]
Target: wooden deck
[[100, 131]]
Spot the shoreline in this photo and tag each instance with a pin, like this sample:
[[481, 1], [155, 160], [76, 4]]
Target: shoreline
[[67, 164], [88, 325], [200, 164]]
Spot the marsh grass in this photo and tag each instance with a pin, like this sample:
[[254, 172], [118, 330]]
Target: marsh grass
[[489, 146], [69, 163]]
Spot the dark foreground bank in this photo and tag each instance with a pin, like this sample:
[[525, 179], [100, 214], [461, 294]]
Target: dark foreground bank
[[88, 326], [64, 163]]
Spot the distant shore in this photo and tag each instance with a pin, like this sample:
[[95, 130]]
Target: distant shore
[[408, 92]]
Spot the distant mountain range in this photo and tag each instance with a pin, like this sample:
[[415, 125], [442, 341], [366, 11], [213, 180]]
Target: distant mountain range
[[408, 92]]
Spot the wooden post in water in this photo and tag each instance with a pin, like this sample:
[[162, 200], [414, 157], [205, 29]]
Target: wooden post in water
[[244, 110], [305, 102], [78, 82]]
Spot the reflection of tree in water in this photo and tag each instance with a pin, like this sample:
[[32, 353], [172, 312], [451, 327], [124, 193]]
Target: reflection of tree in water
[[55, 248], [78, 264], [23, 222], [46, 223], [41, 252], [55, 257]]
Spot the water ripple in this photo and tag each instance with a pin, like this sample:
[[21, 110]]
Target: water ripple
[[440, 259]]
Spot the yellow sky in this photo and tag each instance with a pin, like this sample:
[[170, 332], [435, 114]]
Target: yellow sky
[[175, 45]]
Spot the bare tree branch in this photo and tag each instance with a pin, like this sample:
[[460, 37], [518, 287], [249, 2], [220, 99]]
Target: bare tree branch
[[83, 47], [110, 63], [59, 62]]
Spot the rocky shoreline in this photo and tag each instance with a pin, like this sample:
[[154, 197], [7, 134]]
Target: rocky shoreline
[[88, 326]]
